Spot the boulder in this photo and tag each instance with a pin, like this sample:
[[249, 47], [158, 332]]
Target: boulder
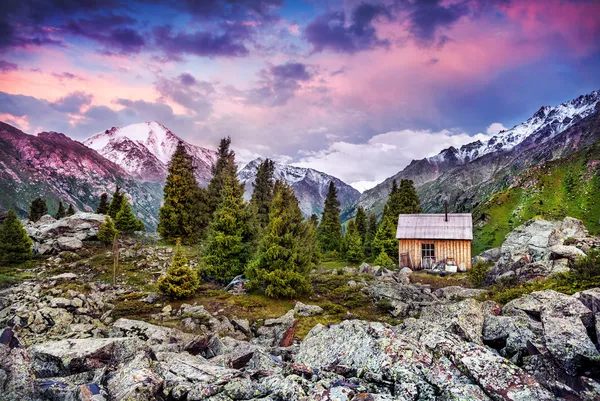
[[464, 318], [535, 241], [273, 331], [569, 252], [16, 375], [135, 381], [158, 338], [69, 243], [307, 310], [590, 298], [67, 357]]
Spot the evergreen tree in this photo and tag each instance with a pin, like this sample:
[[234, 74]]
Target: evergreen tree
[[103, 206], [228, 244], [371, 232], [284, 258], [70, 211], [224, 167], [181, 213], [263, 192], [330, 229], [361, 223], [115, 203], [15, 245], [314, 219], [37, 209], [385, 238], [61, 212], [126, 222], [353, 244], [180, 281], [384, 260], [107, 231], [403, 199]]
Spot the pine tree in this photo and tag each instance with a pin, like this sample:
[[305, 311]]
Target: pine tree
[[61, 212], [181, 213], [384, 260], [353, 244], [37, 209], [15, 245], [107, 231], [403, 199], [283, 262], [223, 167], [180, 281], [385, 239], [228, 244], [361, 223], [263, 192], [371, 232], [115, 203], [70, 211], [103, 205], [314, 219], [126, 222], [330, 229]]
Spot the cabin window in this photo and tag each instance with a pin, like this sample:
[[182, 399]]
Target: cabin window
[[427, 251]]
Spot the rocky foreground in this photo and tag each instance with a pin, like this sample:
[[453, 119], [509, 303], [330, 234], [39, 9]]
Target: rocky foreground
[[539, 347]]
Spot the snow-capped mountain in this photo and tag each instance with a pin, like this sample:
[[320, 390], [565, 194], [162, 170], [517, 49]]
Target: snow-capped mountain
[[53, 166], [145, 149], [491, 157], [310, 186]]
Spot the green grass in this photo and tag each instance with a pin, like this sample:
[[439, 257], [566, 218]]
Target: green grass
[[552, 191]]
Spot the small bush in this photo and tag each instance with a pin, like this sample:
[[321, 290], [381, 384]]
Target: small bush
[[384, 261], [130, 307], [477, 273], [588, 266], [107, 231], [332, 308], [180, 281], [15, 245], [69, 257], [570, 241], [384, 305]]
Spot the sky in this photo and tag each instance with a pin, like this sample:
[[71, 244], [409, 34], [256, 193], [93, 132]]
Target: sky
[[356, 89]]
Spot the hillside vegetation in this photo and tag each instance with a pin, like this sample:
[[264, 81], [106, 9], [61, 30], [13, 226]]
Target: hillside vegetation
[[564, 187]]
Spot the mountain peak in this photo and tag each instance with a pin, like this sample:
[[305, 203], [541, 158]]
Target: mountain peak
[[145, 150]]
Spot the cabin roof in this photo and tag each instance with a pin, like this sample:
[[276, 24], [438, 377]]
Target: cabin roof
[[433, 226]]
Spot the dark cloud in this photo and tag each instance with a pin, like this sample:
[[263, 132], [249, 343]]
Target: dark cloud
[[262, 10], [73, 102], [39, 112], [278, 84], [112, 31], [329, 31], [229, 43], [6, 66]]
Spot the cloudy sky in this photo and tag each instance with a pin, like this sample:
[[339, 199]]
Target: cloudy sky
[[353, 88]]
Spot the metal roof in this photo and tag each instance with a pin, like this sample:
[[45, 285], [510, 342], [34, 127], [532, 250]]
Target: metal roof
[[433, 226]]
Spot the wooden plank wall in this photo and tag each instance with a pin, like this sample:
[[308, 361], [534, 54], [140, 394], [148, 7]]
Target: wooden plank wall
[[460, 250]]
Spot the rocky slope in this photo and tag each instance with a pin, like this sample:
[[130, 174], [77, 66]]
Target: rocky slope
[[65, 344], [468, 175], [56, 167], [145, 149], [310, 186]]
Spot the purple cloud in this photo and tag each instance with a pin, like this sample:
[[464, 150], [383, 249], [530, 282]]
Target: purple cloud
[[329, 31], [73, 102], [278, 84], [199, 43], [109, 30], [6, 66]]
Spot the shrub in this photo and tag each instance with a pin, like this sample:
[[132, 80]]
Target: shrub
[[180, 281], [477, 273], [107, 231], [384, 260], [384, 305], [570, 241], [15, 245], [588, 266]]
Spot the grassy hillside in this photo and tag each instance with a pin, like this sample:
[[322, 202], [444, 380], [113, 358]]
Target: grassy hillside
[[564, 187]]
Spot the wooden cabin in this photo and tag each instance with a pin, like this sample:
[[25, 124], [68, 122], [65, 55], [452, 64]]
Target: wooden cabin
[[426, 240]]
